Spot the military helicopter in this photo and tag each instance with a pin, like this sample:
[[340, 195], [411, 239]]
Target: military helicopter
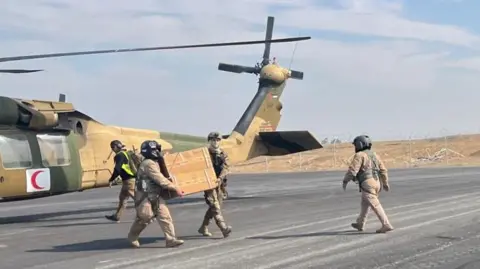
[[50, 148]]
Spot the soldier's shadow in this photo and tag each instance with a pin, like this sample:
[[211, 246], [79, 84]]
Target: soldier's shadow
[[114, 244], [103, 244], [194, 237], [73, 224], [335, 233]]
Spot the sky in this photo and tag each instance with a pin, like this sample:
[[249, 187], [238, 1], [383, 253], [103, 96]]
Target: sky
[[391, 69]]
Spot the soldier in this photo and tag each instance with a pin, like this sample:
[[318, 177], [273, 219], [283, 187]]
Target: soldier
[[214, 197], [220, 160], [152, 191], [366, 168], [126, 170]]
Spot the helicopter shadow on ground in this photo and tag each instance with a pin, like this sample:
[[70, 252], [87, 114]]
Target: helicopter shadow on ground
[[333, 233], [116, 244]]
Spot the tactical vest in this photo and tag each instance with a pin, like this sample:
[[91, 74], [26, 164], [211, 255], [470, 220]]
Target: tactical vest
[[371, 171], [218, 159], [143, 190], [148, 187], [141, 179], [128, 167]]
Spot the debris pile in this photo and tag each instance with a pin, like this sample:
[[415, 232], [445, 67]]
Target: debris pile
[[437, 156]]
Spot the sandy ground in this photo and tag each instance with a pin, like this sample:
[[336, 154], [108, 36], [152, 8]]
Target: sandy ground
[[453, 151]]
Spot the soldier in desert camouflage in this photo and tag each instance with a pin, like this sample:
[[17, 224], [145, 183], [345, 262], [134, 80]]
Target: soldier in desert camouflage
[[152, 191], [124, 167], [366, 168], [214, 197]]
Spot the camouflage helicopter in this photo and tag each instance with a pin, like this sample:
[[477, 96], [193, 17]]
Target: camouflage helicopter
[[50, 148]]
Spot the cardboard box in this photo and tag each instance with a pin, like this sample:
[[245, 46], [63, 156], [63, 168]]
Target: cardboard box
[[191, 170]]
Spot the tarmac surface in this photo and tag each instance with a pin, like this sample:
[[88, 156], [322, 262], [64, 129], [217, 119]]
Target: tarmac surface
[[295, 220]]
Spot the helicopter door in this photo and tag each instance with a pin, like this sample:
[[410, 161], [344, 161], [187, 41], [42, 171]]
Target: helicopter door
[[60, 155], [15, 159]]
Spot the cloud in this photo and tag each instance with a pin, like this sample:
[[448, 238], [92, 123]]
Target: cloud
[[367, 68], [377, 23]]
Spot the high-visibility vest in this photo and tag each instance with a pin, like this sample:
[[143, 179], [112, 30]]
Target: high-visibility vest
[[126, 166]]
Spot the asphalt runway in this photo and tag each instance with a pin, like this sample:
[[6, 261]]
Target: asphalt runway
[[297, 220]]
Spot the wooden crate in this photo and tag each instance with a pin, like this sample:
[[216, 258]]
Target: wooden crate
[[191, 170]]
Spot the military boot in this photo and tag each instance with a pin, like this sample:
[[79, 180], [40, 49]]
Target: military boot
[[225, 195], [133, 240], [357, 226], [204, 231], [223, 192], [385, 228], [226, 232], [174, 243], [135, 231], [134, 243], [112, 218]]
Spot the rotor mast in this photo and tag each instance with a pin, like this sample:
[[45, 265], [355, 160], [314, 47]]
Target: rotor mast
[[271, 76], [257, 69]]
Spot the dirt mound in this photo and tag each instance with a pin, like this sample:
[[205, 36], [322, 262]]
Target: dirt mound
[[461, 150]]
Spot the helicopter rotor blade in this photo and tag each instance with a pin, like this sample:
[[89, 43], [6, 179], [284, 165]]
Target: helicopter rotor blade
[[296, 74], [19, 71], [268, 36], [240, 43], [237, 68]]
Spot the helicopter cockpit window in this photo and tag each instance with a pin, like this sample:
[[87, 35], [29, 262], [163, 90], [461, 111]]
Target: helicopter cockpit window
[[15, 151], [54, 149]]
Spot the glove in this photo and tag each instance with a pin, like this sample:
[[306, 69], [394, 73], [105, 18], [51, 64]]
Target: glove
[[386, 187], [344, 186]]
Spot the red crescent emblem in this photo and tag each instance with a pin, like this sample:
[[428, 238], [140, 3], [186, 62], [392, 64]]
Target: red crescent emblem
[[33, 180]]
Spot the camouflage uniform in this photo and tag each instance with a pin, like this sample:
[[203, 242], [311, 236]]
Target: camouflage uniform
[[152, 191], [125, 168], [366, 168], [127, 191], [214, 197]]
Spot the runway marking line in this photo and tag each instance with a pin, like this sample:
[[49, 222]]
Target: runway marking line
[[181, 251], [431, 251], [290, 241], [361, 240]]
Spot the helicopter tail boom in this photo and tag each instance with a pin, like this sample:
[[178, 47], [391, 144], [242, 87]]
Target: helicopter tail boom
[[255, 134]]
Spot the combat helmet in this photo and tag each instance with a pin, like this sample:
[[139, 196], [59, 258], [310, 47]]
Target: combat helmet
[[117, 143], [362, 142], [150, 149], [213, 135]]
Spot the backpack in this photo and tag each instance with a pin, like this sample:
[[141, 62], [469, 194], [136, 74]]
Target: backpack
[[134, 161]]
